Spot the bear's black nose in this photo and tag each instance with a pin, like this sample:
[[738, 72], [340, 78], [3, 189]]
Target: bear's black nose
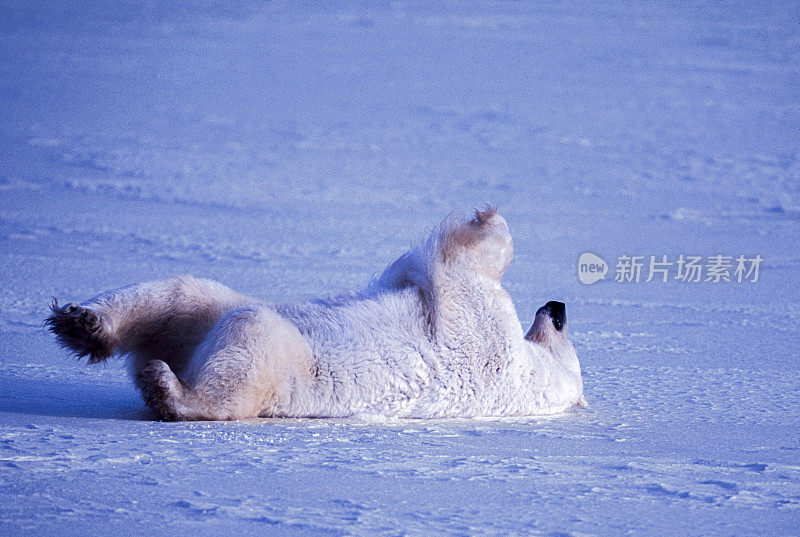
[[557, 312]]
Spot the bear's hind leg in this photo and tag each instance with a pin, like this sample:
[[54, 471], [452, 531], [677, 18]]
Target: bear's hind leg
[[162, 319], [249, 365], [163, 393], [81, 330]]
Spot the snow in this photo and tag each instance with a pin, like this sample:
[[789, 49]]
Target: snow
[[292, 152]]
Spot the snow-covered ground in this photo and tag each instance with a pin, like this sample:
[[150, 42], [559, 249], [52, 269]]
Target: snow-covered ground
[[291, 152]]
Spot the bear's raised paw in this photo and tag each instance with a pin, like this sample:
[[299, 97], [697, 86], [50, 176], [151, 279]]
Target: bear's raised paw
[[80, 330]]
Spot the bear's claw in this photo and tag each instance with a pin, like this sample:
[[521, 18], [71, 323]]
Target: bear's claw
[[80, 330]]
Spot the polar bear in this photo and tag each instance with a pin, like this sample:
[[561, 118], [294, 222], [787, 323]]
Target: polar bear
[[435, 335]]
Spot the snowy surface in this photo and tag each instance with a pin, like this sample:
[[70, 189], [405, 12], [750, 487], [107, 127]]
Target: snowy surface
[[292, 152]]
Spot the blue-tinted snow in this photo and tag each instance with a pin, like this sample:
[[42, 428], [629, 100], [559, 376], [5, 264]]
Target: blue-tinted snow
[[291, 152]]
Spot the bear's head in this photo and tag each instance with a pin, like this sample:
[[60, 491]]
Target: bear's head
[[549, 337]]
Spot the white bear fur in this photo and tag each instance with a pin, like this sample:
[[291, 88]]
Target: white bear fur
[[435, 335]]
